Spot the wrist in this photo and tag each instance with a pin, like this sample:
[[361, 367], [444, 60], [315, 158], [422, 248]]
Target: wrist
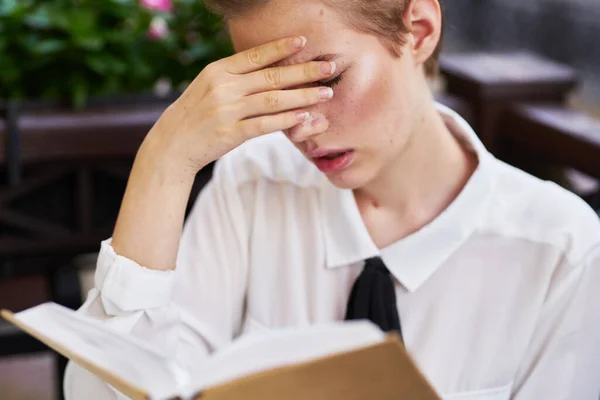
[[154, 156]]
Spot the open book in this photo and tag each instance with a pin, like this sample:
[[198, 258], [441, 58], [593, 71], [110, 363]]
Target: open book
[[349, 360]]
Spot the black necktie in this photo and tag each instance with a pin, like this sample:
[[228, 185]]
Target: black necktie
[[373, 297]]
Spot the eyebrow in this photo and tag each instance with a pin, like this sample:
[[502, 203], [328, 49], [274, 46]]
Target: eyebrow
[[321, 57], [326, 57]]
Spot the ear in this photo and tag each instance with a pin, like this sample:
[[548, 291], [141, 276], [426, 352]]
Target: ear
[[423, 20]]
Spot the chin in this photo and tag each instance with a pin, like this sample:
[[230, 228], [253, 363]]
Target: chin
[[352, 178]]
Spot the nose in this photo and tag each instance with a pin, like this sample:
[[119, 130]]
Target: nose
[[316, 123]]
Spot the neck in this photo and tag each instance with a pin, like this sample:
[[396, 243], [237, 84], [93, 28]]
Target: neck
[[424, 180]]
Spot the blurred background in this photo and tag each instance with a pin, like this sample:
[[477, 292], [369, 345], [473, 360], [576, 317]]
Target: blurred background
[[82, 81]]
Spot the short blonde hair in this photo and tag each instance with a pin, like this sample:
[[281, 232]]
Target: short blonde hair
[[379, 17]]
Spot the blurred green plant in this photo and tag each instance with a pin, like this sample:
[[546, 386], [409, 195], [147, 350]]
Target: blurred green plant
[[70, 50]]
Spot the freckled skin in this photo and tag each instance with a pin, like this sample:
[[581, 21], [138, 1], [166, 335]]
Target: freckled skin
[[406, 166], [373, 110]]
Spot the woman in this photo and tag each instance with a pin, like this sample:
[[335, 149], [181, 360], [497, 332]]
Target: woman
[[490, 267]]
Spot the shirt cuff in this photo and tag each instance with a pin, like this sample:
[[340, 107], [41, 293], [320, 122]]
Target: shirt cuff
[[126, 287]]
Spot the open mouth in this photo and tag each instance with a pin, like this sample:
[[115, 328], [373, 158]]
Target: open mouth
[[334, 155], [334, 161]]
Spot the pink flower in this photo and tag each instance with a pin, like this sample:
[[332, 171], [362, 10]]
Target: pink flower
[[158, 29], [160, 5]]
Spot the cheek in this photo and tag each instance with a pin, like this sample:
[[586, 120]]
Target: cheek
[[369, 99], [361, 103]]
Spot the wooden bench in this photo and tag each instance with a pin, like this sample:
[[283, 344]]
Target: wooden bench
[[62, 178], [535, 135], [80, 161], [488, 82]]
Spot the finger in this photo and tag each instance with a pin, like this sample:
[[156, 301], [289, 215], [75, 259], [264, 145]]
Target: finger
[[285, 77], [253, 127], [263, 56], [313, 125], [282, 100]]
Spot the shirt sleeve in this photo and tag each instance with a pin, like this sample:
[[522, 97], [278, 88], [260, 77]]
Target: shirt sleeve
[[188, 312], [563, 357]]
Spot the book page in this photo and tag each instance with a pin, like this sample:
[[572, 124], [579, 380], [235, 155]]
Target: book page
[[131, 360], [147, 370], [267, 350]]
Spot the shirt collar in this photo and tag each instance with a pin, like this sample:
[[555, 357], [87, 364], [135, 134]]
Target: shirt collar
[[415, 258]]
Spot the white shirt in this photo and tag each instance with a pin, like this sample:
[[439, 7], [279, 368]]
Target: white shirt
[[493, 295]]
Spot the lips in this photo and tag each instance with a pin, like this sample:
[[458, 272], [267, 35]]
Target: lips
[[332, 160]]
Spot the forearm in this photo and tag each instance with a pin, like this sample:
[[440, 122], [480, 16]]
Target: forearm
[[151, 218]]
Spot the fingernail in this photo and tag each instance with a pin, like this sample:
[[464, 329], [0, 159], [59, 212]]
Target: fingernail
[[325, 93], [301, 116], [299, 42], [328, 67]]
